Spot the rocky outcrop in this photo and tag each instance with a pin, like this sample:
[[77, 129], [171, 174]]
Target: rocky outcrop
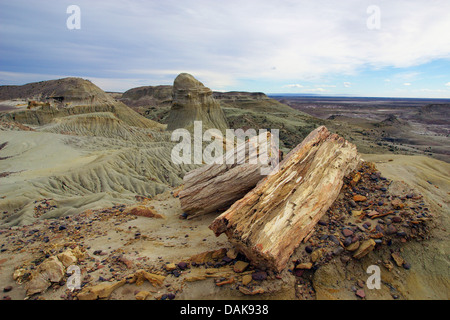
[[61, 90], [100, 291], [51, 270], [256, 101], [391, 120], [192, 101], [100, 124], [436, 114], [240, 96], [148, 96], [270, 221]]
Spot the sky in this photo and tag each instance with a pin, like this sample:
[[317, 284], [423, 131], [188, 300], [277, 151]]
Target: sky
[[372, 48]]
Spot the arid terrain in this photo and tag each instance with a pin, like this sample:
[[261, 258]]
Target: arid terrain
[[405, 126], [86, 180]]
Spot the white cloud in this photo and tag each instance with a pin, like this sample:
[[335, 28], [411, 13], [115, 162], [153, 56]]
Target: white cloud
[[347, 84], [434, 90], [258, 40], [407, 84], [407, 76], [315, 90], [447, 84], [307, 89], [326, 85]]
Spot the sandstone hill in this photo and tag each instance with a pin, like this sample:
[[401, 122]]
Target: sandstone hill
[[434, 114], [47, 100], [192, 101], [243, 110], [148, 96]]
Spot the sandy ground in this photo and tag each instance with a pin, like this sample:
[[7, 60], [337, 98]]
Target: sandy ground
[[429, 176], [429, 276], [35, 197], [39, 154], [60, 192], [160, 241], [78, 173], [173, 240], [35, 160], [11, 105]]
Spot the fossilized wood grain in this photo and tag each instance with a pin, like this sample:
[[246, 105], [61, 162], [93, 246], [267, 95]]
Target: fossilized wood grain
[[216, 187], [270, 221]]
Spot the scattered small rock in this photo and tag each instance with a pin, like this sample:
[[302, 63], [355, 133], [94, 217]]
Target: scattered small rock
[[142, 295], [7, 289], [305, 265], [317, 254], [406, 265], [170, 267], [182, 265], [397, 204], [365, 247], [397, 259], [347, 232], [353, 246], [171, 296], [360, 293], [359, 198], [259, 275], [247, 279], [251, 291], [240, 266]]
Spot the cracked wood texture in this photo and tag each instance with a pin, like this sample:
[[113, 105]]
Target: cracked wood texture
[[215, 187], [270, 221]]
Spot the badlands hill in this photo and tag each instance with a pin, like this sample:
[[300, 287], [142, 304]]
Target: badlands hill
[[39, 103], [192, 101], [434, 114], [145, 97], [83, 150], [242, 110]]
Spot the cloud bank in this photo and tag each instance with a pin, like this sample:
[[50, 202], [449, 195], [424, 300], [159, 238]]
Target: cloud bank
[[226, 44]]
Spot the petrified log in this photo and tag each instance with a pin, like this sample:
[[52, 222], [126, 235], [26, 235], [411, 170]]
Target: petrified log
[[269, 222], [215, 187]]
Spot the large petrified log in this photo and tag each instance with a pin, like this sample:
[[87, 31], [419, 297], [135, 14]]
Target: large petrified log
[[215, 187], [269, 222]]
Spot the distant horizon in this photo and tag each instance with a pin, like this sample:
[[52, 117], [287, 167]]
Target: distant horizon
[[273, 94], [349, 96]]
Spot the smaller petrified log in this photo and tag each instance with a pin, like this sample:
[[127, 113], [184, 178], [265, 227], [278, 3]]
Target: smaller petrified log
[[215, 187], [270, 221]]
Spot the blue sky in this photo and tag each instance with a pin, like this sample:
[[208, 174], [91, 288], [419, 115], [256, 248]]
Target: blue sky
[[289, 46]]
